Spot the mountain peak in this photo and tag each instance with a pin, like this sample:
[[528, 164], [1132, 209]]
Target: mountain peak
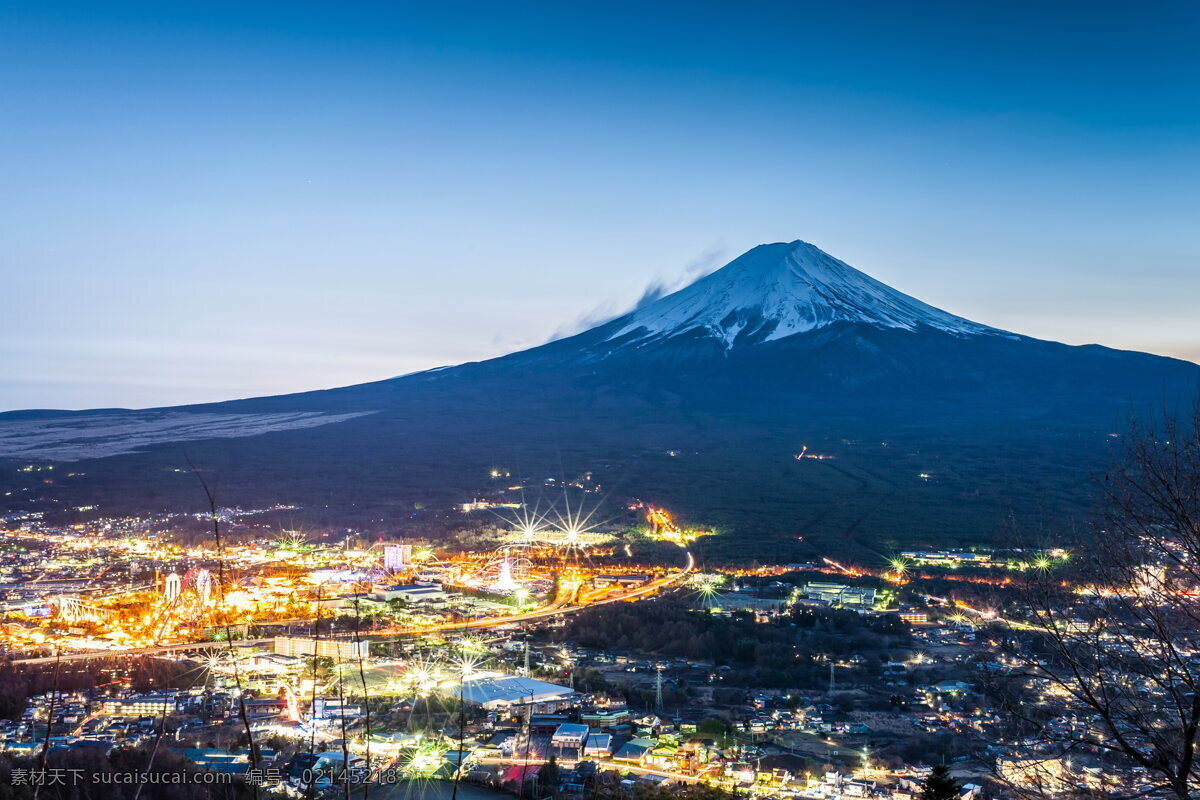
[[778, 290]]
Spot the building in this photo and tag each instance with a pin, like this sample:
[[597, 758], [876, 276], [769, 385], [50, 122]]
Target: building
[[397, 557], [173, 586], [496, 691], [356, 603], [412, 593], [836, 594], [951, 558], [914, 617], [144, 705], [1044, 774], [324, 648], [570, 735], [599, 745], [274, 663], [634, 750], [952, 687], [259, 707], [620, 580], [483, 505], [335, 708], [605, 718]]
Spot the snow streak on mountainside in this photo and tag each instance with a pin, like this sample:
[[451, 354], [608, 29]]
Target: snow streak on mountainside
[[73, 437], [778, 290]]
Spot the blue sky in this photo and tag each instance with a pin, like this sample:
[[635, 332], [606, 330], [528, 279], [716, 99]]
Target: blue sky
[[207, 201]]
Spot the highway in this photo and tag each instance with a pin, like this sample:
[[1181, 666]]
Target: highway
[[157, 650]]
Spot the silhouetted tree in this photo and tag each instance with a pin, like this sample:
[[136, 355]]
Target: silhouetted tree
[[1124, 657], [940, 786], [548, 777]]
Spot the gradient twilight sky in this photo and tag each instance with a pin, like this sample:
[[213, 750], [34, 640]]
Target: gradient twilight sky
[[208, 201]]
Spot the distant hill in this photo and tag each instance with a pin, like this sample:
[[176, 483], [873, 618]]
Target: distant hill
[[934, 429]]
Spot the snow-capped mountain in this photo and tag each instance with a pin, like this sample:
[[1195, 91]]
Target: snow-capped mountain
[[779, 290], [699, 400]]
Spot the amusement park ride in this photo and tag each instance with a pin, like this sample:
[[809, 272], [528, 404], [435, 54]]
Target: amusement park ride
[[71, 608], [184, 600]]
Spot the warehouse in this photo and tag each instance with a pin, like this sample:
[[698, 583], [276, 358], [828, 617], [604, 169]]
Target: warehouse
[[496, 691]]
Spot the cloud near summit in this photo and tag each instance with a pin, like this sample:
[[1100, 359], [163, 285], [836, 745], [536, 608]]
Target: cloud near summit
[[705, 262]]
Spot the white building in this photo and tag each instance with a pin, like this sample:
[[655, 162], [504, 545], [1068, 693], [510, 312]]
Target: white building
[[397, 556], [836, 594], [599, 745], [496, 691], [570, 735], [335, 708], [140, 706], [413, 593], [324, 648]]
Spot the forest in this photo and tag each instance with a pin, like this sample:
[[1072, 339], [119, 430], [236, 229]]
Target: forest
[[786, 652]]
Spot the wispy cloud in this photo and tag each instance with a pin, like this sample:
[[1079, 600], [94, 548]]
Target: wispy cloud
[[704, 263]]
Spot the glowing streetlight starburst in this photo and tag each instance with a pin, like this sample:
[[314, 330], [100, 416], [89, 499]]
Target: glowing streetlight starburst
[[574, 526], [530, 523], [472, 645], [424, 761], [708, 587], [466, 665], [208, 664], [217, 661], [422, 678], [291, 540]]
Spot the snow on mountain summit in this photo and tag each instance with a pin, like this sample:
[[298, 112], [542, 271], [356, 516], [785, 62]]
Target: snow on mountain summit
[[778, 290]]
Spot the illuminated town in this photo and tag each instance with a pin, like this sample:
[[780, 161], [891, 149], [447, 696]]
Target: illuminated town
[[349, 661]]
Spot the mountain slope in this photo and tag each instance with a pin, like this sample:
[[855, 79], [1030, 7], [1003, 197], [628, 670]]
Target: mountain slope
[[942, 430]]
